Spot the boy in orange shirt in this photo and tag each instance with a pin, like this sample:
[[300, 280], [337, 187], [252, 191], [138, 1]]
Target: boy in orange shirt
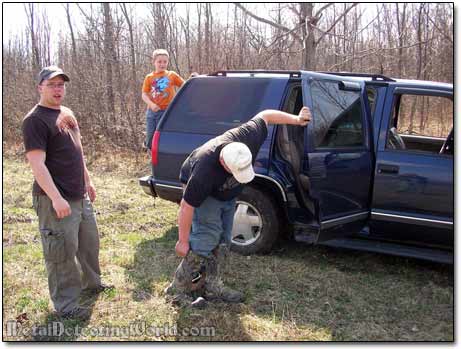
[[158, 91]]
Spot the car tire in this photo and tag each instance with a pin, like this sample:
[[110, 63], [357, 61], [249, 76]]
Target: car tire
[[256, 222]]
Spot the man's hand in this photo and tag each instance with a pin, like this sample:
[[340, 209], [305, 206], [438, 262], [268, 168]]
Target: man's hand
[[182, 248], [66, 119], [91, 190], [61, 207], [154, 107], [304, 116]]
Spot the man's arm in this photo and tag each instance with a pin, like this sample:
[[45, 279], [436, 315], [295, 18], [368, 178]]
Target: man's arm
[[186, 212], [90, 189], [151, 105], [66, 119], [36, 160], [271, 116]]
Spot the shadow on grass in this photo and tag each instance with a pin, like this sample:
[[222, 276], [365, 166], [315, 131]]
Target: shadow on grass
[[353, 261], [153, 264], [55, 329], [153, 267], [319, 293], [352, 291]]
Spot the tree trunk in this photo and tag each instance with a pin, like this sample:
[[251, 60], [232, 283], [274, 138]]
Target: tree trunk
[[309, 44], [72, 36], [33, 37], [418, 65], [108, 58]]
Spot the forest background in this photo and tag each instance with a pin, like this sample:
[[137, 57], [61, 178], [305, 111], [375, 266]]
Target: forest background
[[106, 49]]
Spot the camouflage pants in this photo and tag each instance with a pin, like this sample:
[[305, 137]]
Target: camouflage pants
[[198, 276]]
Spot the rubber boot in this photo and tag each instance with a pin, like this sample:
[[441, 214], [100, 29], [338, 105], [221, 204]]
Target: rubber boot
[[214, 286], [186, 288]]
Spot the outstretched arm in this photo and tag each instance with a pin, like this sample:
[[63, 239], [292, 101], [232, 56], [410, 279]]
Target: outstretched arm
[[271, 116]]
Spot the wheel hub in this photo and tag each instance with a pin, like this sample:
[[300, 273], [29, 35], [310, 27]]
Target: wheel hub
[[247, 224]]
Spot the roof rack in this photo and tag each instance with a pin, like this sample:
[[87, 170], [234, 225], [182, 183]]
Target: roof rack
[[292, 73], [374, 77]]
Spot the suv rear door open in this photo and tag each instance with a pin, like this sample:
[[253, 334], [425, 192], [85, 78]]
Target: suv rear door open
[[337, 153]]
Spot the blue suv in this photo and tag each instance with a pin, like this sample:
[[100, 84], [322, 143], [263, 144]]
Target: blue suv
[[373, 171]]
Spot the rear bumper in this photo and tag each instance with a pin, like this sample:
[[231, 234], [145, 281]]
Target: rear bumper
[[165, 190], [147, 185]]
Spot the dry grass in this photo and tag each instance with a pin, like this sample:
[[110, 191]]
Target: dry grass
[[297, 293]]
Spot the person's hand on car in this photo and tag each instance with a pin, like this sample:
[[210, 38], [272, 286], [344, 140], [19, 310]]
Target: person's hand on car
[[304, 116]]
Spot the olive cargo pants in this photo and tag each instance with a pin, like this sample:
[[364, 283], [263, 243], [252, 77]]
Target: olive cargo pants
[[64, 239]]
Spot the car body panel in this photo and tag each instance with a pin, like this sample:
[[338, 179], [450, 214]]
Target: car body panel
[[353, 193], [340, 177], [413, 192]]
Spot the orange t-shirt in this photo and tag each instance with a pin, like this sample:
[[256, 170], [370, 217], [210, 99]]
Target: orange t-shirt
[[160, 87]]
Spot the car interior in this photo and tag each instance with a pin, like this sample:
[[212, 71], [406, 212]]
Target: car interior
[[414, 141], [290, 147]]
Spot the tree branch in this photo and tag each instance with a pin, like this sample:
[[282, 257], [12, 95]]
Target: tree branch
[[334, 23], [440, 30], [271, 23], [324, 7]]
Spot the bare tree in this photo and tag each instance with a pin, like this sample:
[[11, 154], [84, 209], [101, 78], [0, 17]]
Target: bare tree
[[31, 17], [109, 53], [72, 35], [401, 40], [307, 25]]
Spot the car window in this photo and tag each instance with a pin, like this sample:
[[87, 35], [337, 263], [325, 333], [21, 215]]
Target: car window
[[420, 123], [212, 107], [430, 116], [294, 101], [371, 95], [337, 114]]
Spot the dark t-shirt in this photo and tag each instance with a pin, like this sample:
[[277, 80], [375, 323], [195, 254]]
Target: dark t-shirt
[[64, 158], [204, 175]]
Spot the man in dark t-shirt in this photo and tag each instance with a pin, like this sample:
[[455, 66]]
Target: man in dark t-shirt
[[213, 176], [62, 195]]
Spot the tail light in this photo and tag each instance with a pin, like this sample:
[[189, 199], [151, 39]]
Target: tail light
[[154, 148]]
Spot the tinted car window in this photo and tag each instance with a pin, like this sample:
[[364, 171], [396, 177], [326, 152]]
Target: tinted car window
[[371, 95], [213, 106], [337, 115]]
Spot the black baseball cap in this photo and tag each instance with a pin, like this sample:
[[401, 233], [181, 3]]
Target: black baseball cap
[[51, 72]]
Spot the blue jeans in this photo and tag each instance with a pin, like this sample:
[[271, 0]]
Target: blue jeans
[[211, 225], [152, 118]]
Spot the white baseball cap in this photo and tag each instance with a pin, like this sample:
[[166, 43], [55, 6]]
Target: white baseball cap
[[237, 157]]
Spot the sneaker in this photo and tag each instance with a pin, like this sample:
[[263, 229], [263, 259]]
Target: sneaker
[[76, 313], [98, 289]]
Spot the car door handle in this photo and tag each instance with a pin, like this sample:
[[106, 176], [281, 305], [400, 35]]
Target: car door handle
[[388, 169]]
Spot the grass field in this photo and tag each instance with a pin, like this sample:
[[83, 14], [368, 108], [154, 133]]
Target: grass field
[[296, 293]]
